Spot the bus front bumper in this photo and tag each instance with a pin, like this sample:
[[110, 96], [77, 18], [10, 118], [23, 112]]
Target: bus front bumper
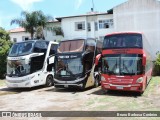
[[130, 87], [68, 84], [19, 82]]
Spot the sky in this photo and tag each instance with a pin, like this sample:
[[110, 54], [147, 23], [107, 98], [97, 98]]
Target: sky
[[11, 9]]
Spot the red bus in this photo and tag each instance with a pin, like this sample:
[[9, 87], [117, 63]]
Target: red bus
[[126, 62]]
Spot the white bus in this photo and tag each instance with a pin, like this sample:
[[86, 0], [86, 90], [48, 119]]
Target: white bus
[[28, 64]]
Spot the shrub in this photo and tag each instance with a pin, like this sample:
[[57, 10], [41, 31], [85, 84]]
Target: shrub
[[157, 66], [5, 45]]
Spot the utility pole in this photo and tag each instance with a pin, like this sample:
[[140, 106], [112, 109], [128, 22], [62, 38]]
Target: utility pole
[[92, 9]]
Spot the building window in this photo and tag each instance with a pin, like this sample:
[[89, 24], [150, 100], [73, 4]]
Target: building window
[[15, 40], [80, 26], [24, 38], [104, 24], [96, 26], [89, 26]]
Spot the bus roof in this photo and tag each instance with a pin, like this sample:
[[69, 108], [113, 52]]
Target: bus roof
[[125, 32], [37, 40], [79, 38]]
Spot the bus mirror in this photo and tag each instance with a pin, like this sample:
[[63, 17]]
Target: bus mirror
[[144, 60], [50, 60]]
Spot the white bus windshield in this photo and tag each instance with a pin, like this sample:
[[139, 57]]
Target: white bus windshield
[[22, 48]]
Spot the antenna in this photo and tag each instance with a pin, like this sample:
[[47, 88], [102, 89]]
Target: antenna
[[92, 9]]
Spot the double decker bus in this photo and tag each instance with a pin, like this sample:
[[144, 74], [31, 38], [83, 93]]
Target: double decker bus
[[27, 64], [75, 66], [126, 62]]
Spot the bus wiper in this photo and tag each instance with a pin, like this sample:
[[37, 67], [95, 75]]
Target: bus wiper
[[67, 69], [125, 67], [115, 66]]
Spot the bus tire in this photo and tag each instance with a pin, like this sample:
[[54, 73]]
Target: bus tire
[[96, 83], [49, 81]]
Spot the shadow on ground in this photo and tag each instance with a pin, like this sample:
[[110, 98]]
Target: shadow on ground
[[19, 90], [67, 90], [117, 93]]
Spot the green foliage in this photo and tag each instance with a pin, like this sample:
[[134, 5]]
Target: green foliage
[[5, 45], [31, 21], [158, 60], [4, 34], [157, 66], [56, 29]]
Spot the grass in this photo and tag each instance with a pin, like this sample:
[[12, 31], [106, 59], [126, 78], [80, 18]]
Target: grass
[[2, 83], [148, 101], [152, 86]]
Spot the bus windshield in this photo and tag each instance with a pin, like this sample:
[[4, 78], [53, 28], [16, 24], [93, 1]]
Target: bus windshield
[[122, 41], [17, 68], [122, 64], [21, 66], [22, 48], [69, 67], [71, 46]]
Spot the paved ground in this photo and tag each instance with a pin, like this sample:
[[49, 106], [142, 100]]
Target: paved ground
[[93, 99]]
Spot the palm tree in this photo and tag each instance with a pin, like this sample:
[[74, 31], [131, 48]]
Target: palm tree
[[42, 23], [31, 21]]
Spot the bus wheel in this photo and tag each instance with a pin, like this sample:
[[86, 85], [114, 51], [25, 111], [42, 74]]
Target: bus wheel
[[96, 83], [49, 81]]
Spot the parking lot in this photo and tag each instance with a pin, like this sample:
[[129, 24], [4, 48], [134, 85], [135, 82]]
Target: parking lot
[[93, 99]]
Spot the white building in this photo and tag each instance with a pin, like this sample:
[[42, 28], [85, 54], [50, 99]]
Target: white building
[[93, 24], [52, 35], [133, 15], [142, 16], [18, 35]]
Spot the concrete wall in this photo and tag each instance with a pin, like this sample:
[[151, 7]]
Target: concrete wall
[[19, 36], [68, 26], [142, 16]]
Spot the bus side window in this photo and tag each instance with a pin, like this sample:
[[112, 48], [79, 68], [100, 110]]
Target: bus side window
[[53, 49], [90, 48]]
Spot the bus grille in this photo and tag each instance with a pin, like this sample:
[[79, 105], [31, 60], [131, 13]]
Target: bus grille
[[120, 81], [16, 81]]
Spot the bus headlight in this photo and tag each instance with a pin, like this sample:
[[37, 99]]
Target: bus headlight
[[103, 78], [139, 80]]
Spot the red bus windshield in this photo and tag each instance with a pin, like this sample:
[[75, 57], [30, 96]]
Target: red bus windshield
[[122, 41], [122, 64]]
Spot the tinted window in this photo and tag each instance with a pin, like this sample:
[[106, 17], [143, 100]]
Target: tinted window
[[71, 46], [53, 49], [40, 46], [123, 41], [22, 48]]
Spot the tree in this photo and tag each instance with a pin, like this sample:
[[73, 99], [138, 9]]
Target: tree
[[57, 30], [157, 65], [42, 23], [5, 45], [31, 21]]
